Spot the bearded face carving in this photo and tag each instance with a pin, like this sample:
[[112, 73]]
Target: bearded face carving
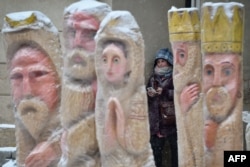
[[221, 84], [33, 76], [185, 59], [222, 75], [33, 55], [34, 87], [79, 30], [79, 144]]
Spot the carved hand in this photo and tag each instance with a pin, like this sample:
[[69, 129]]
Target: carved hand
[[189, 96], [114, 124], [42, 155]]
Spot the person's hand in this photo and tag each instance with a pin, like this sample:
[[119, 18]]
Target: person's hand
[[151, 92], [41, 156], [189, 96], [159, 135], [159, 90]]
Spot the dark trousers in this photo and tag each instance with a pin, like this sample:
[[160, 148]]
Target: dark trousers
[[157, 145]]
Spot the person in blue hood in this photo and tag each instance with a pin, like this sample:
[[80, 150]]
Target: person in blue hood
[[160, 91]]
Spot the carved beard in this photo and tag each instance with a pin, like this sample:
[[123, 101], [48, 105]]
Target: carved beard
[[79, 65], [190, 72], [35, 116], [219, 104], [77, 102]]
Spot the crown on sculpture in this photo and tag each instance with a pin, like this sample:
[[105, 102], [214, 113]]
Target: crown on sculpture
[[222, 27], [17, 23], [184, 24]]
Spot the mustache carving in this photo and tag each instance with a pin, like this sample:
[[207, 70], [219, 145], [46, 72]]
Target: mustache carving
[[34, 115], [219, 103], [79, 65]]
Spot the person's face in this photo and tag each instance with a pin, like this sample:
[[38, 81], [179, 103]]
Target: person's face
[[114, 63], [161, 63], [80, 31], [221, 80], [32, 75]]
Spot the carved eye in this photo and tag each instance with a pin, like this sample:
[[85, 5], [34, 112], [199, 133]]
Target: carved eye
[[182, 58], [16, 76], [104, 60], [90, 34], [71, 32], [37, 74], [182, 55], [227, 71], [116, 60], [208, 71]]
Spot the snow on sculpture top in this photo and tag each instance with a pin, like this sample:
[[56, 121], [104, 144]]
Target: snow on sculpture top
[[44, 30], [93, 7], [222, 27], [184, 24], [28, 19]]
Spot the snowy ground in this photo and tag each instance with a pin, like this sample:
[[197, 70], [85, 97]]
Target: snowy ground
[[10, 163], [5, 126], [7, 156]]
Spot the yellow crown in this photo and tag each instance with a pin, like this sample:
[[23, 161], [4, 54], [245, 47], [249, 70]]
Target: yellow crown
[[17, 23], [222, 28], [184, 24]]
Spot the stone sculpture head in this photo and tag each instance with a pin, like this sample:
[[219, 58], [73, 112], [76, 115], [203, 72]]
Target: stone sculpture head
[[114, 62], [120, 28], [33, 57], [184, 32], [34, 85], [222, 59], [221, 76], [81, 22]]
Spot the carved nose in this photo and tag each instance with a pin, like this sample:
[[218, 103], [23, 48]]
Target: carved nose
[[217, 80], [77, 39], [109, 66], [27, 90]]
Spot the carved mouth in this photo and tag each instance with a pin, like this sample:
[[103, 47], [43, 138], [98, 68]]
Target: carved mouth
[[28, 110], [77, 59]]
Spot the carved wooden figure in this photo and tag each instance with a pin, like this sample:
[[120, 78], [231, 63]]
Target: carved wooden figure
[[121, 102], [79, 144], [33, 57], [222, 41], [184, 31], [246, 119]]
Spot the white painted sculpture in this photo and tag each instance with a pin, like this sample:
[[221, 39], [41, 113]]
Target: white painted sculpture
[[246, 119], [222, 43], [79, 144], [121, 104], [33, 57], [184, 32]]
